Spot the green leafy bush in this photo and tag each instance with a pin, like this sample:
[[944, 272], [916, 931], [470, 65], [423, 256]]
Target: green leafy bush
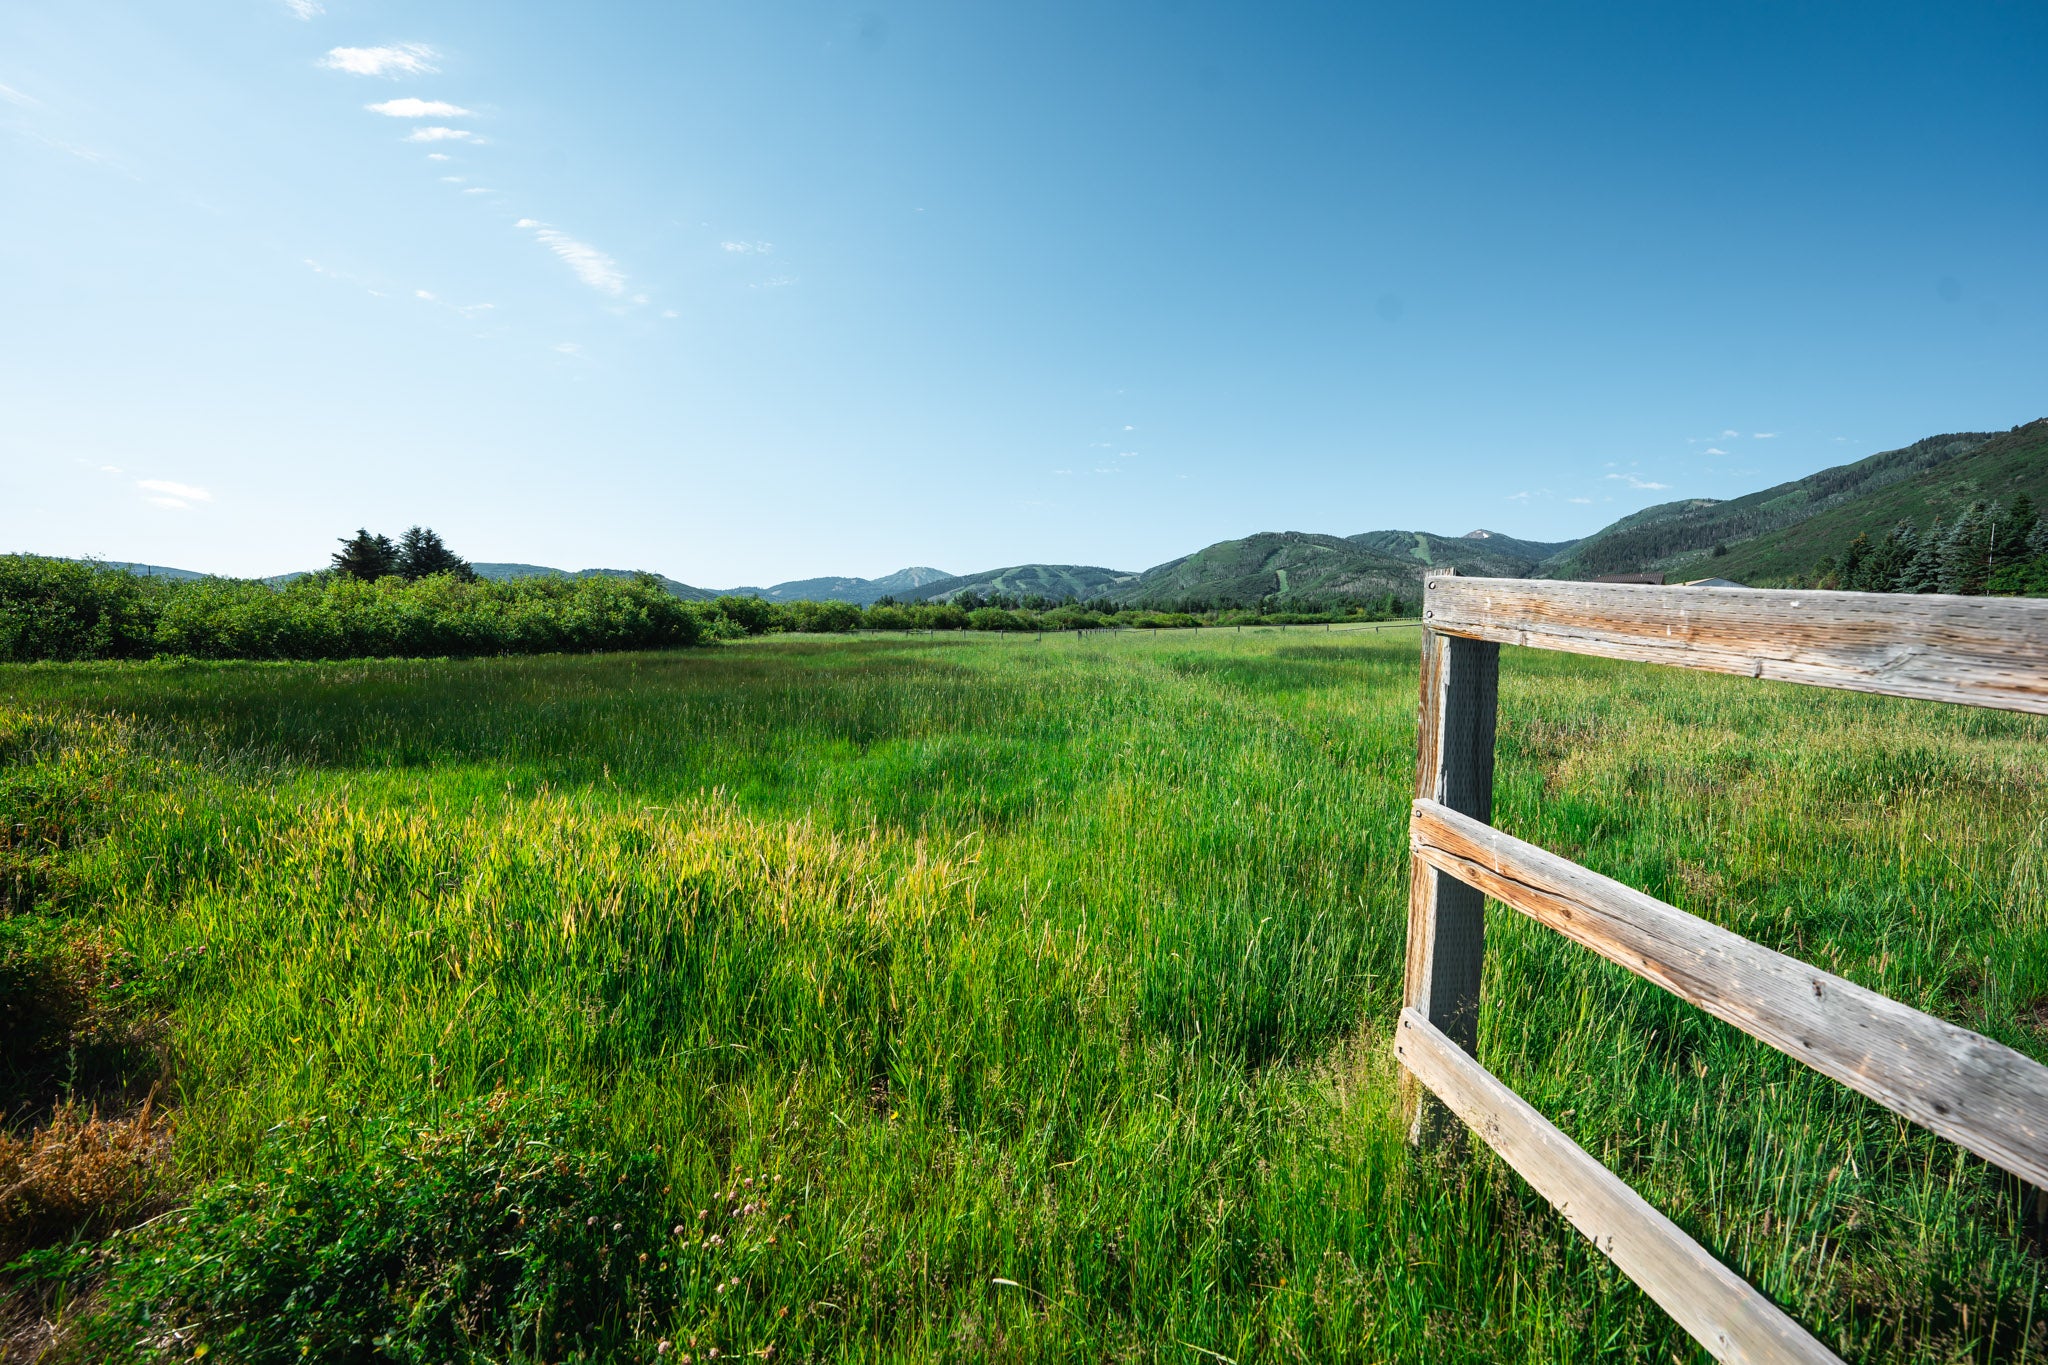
[[53, 609], [497, 1229]]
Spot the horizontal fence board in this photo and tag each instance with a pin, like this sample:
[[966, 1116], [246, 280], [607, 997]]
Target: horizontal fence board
[[1723, 1312], [1980, 651], [1973, 1091]]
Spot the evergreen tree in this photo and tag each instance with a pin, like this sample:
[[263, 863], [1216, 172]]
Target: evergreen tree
[[1885, 567], [2037, 540], [366, 557], [1923, 570], [1964, 551], [1853, 567], [2015, 526], [422, 553]]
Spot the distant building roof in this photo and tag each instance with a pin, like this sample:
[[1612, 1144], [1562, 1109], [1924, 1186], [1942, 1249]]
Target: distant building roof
[[1712, 583], [1630, 578]]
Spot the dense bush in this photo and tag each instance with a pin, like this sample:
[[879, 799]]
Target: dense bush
[[55, 609], [497, 1229]]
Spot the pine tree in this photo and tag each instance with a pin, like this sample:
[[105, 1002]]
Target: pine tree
[[1923, 570], [366, 557], [1964, 550], [1885, 568], [421, 552], [1850, 572], [2015, 527]]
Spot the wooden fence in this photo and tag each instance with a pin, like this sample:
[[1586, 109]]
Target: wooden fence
[[1972, 650]]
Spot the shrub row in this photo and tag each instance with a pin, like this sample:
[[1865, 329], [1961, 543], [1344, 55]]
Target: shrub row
[[58, 609]]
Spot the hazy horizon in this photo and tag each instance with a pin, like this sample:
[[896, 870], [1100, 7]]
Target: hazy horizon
[[746, 296]]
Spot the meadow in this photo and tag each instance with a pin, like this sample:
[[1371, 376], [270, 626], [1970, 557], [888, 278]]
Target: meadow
[[971, 997]]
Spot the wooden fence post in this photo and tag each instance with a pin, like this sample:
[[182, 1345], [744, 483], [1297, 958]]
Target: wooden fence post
[[1446, 918]]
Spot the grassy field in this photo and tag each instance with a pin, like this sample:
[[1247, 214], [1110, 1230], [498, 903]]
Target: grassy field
[[1044, 989]]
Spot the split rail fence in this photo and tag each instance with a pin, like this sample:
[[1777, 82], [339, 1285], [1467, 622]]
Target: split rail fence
[[1976, 651]]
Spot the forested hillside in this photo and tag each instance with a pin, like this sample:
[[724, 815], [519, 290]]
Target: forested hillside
[[1674, 533]]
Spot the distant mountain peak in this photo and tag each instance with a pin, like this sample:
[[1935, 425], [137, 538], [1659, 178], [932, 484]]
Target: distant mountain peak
[[1479, 535]]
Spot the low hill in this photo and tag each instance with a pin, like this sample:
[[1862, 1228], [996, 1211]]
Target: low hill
[[1674, 534], [1077, 582], [1281, 568]]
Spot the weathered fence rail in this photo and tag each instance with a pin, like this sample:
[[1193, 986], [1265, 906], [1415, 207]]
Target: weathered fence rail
[[1973, 1091]]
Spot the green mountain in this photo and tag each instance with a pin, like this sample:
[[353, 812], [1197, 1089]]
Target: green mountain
[[682, 590], [1281, 568], [1679, 537], [1079, 582], [904, 584], [2004, 465], [1482, 554]]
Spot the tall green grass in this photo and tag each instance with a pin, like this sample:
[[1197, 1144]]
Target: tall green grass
[[1054, 980]]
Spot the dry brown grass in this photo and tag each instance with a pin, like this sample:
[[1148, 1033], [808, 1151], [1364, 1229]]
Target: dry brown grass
[[79, 1174]]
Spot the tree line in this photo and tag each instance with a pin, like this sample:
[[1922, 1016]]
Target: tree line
[[1989, 548]]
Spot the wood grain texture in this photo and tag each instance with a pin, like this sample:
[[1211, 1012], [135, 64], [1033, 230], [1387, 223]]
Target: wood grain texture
[[1447, 919], [1721, 1310], [1973, 1091], [1980, 651]]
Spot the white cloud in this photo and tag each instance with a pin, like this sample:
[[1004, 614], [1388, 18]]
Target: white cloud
[[479, 189], [399, 59], [473, 310], [591, 266], [1764, 435], [1633, 482], [568, 348], [440, 134], [13, 96], [1130, 428], [1713, 450], [306, 9], [110, 469], [1127, 454], [1731, 435], [774, 282], [1063, 471], [414, 108], [173, 494], [454, 179], [748, 248], [1580, 500], [423, 294], [1522, 496], [670, 313], [438, 156]]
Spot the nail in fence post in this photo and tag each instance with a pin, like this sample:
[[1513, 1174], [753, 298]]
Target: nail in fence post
[[1446, 918]]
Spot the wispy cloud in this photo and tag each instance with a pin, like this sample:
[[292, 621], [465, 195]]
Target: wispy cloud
[[306, 9], [1633, 482], [1579, 500], [590, 265], [413, 108], [775, 282], [1522, 496], [399, 59], [168, 494], [1764, 435], [439, 156], [440, 134], [748, 248], [13, 96], [568, 348], [423, 294], [479, 189], [1713, 450], [1731, 435]]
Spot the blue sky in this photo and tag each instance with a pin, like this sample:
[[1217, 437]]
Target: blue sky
[[744, 292]]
